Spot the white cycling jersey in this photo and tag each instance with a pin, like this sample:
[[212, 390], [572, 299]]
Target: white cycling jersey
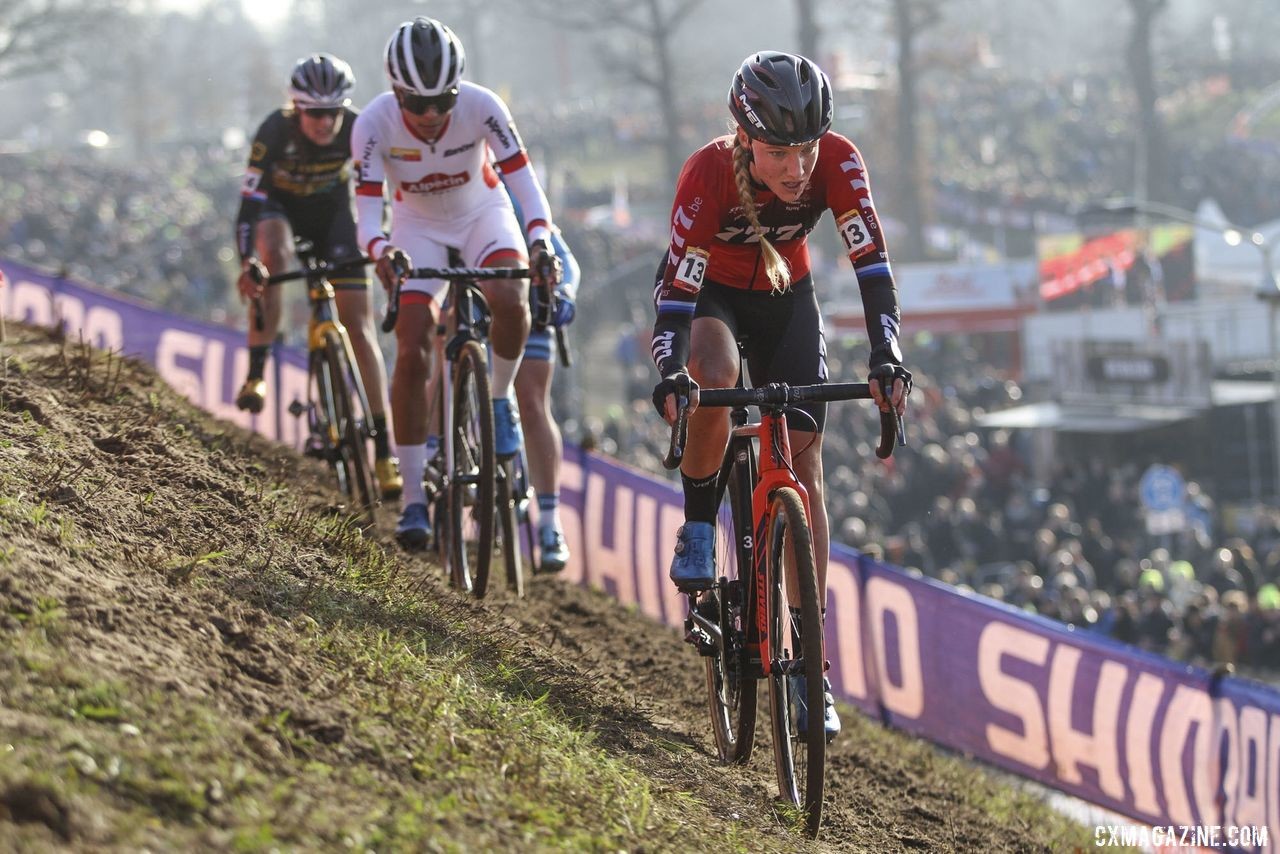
[[450, 179]]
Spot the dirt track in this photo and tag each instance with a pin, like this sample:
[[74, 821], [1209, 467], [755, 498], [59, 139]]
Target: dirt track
[[167, 486]]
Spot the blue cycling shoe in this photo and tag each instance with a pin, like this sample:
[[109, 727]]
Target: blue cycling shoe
[[414, 528], [554, 551], [507, 436], [830, 720], [693, 567]]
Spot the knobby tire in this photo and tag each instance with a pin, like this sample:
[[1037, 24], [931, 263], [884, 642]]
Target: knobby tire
[[471, 488], [731, 678], [800, 760]]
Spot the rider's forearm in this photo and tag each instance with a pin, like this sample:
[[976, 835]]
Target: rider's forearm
[[524, 185], [369, 223], [245, 222], [670, 347]]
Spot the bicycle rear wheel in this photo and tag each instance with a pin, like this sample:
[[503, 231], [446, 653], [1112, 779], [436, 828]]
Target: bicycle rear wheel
[[509, 526], [800, 757], [471, 485], [352, 457], [731, 678]]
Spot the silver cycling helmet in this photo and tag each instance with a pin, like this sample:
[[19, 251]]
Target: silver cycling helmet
[[424, 57], [321, 80]]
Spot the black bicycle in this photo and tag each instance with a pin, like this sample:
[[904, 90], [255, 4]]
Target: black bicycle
[[472, 494], [339, 427]]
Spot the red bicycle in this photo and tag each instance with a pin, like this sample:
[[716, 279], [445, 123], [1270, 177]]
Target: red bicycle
[[744, 626]]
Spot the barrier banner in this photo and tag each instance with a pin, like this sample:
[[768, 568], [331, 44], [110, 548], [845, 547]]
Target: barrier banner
[[1165, 743], [204, 361]]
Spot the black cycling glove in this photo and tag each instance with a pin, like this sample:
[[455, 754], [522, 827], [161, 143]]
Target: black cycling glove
[[678, 383], [886, 373]]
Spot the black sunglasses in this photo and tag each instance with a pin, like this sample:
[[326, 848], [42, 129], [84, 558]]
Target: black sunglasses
[[322, 112], [419, 104]]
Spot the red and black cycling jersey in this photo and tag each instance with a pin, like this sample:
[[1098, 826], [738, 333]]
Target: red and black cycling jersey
[[712, 241], [290, 170]]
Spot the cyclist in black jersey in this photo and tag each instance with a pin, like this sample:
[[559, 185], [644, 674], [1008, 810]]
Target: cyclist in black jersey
[[298, 181]]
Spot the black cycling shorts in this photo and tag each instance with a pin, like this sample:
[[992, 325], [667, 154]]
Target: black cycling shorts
[[781, 336], [331, 230]]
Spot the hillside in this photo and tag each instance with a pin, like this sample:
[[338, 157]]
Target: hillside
[[197, 652]]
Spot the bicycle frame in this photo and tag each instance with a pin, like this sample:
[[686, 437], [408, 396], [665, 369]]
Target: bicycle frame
[[774, 471], [324, 318]]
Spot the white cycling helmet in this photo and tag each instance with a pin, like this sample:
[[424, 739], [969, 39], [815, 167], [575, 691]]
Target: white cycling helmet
[[321, 80], [424, 57]]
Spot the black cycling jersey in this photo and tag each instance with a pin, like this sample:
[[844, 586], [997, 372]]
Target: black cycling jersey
[[295, 174]]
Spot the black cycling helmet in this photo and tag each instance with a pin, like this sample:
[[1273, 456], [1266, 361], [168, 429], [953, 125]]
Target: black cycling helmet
[[321, 80], [781, 98], [424, 57]]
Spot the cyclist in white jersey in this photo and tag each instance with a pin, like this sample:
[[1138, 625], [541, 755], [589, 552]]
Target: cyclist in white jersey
[[429, 140]]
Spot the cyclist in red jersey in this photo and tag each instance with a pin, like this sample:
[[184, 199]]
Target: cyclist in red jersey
[[737, 270]]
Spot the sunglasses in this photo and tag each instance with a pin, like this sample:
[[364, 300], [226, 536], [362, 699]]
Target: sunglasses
[[322, 112], [419, 104]]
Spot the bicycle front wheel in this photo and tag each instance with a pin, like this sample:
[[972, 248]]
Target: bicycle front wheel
[[471, 485], [352, 457], [794, 651], [731, 677]]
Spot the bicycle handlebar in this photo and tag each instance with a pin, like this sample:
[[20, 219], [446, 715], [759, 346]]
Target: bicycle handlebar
[[321, 268], [450, 274], [780, 396], [453, 274]]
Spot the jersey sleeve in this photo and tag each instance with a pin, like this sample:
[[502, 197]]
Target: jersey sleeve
[[253, 190], [512, 160], [571, 273], [366, 151], [849, 197], [695, 218]]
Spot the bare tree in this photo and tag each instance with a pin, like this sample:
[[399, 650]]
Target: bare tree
[[1152, 176], [621, 24], [808, 29], [36, 34], [910, 19]]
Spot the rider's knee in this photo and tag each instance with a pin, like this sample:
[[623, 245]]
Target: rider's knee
[[507, 297], [712, 370]]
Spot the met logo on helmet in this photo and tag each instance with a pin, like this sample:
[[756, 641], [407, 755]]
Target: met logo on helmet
[[751, 114]]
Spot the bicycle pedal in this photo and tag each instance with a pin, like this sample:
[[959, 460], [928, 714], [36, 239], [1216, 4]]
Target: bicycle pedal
[[699, 639]]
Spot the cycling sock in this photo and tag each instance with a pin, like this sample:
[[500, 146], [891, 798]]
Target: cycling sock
[[258, 360], [699, 498], [504, 376], [413, 459], [549, 510], [381, 442]]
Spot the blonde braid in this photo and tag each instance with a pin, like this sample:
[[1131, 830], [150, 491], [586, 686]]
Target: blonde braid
[[775, 266]]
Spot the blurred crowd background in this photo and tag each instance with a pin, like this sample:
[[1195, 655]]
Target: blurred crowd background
[[123, 171]]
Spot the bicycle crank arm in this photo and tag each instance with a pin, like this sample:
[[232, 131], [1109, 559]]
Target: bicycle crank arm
[[703, 634]]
